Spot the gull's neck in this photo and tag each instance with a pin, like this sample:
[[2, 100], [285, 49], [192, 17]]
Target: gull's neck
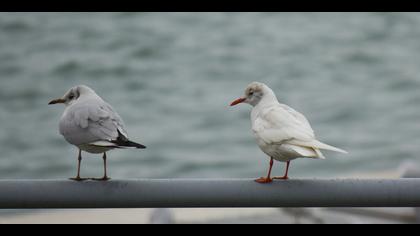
[[268, 99]]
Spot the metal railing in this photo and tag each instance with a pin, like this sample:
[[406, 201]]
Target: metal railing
[[177, 193]]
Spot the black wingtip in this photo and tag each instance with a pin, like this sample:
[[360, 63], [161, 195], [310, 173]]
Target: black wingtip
[[131, 144], [124, 142], [137, 145]]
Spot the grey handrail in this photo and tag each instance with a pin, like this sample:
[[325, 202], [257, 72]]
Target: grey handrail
[[178, 193]]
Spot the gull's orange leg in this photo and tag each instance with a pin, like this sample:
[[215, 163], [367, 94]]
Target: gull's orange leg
[[267, 180], [285, 177]]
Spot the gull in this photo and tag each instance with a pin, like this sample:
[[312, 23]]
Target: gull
[[92, 125], [281, 132]]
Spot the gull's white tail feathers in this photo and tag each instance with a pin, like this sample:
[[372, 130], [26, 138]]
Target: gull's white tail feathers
[[309, 152], [317, 145], [319, 153], [322, 145]]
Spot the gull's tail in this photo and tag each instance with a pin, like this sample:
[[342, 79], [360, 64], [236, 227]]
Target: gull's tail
[[123, 142], [317, 144], [118, 144], [129, 144], [322, 145]]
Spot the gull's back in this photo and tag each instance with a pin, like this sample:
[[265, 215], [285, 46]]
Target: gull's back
[[90, 119], [277, 123]]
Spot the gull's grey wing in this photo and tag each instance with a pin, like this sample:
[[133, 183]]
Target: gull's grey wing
[[117, 119], [91, 121]]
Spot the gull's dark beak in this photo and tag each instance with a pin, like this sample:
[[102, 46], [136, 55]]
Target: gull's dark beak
[[57, 101], [237, 101]]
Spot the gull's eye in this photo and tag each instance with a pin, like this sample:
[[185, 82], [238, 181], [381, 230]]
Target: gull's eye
[[71, 96], [251, 93]]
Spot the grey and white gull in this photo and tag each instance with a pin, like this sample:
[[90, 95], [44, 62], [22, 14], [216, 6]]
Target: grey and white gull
[[92, 125]]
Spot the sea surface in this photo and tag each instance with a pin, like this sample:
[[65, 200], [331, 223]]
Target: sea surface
[[172, 76]]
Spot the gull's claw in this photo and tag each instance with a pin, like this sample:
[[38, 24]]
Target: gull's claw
[[78, 179], [282, 178], [264, 180], [106, 178]]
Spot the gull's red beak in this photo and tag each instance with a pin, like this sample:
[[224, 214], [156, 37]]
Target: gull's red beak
[[237, 101], [57, 101]]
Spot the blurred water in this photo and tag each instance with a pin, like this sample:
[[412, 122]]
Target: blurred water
[[171, 77]]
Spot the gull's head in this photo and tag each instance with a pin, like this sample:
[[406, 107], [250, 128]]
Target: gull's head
[[254, 93], [73, 95]]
